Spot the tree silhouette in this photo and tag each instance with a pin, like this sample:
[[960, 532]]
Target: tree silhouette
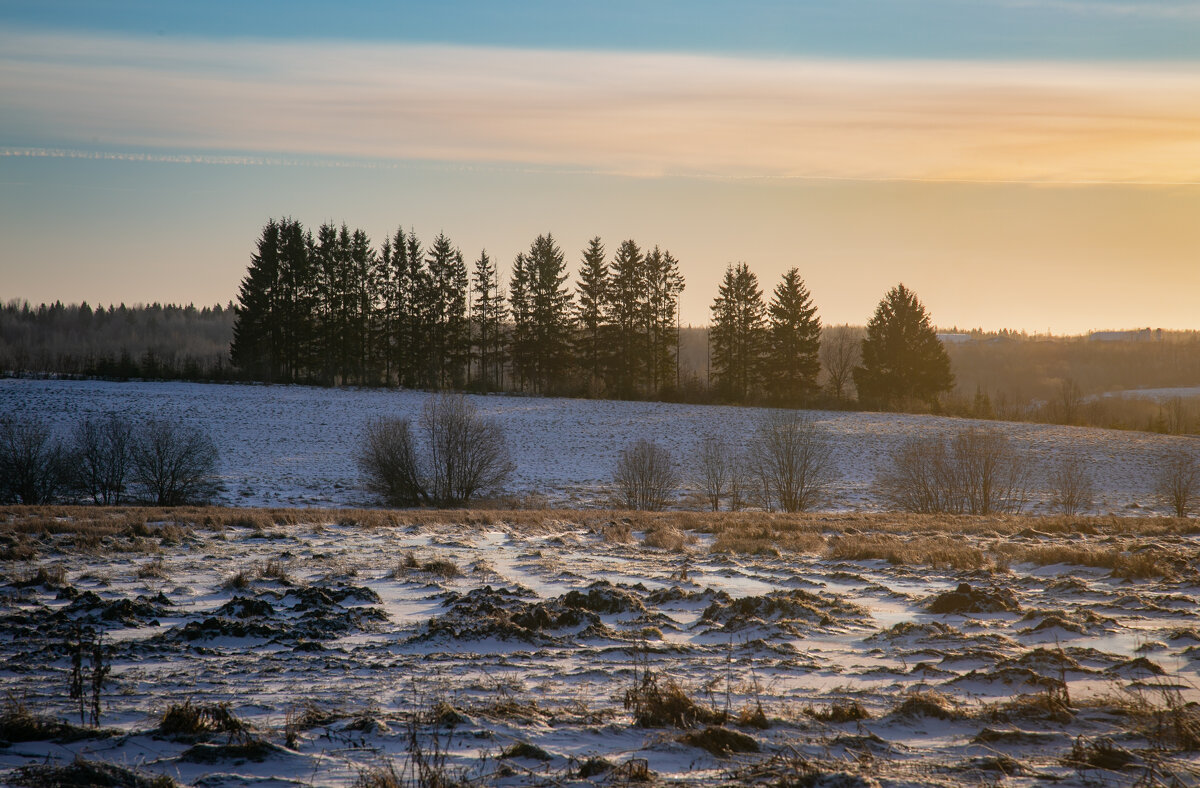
[[738, 333], [793, 360], [902, 357]]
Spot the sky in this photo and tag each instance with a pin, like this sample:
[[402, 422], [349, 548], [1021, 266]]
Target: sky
[[1024, 164]]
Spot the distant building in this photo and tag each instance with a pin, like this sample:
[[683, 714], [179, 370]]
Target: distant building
[[954, 339], [1136, 335]]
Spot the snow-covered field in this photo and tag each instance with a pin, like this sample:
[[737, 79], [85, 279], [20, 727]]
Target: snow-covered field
[[511, 643], [295, 445]]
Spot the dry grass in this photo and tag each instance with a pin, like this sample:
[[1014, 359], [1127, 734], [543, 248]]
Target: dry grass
[[1159, 715], [662, 703], [839, 711], [938, 551], [667, 537], [1147, 563], [192, 720]]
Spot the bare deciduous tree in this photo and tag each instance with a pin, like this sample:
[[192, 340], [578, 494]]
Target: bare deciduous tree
[[1071, 485], [33, 464], [100, 454], [921, 478], [1178, 481], [977, 472], [715, 471], [792, 462], [465, 454], [172, 464], [991, 477], [468, 452], [644, 476], [388, 461], [841, 350]]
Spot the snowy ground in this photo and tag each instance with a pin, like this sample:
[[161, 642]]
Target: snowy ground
[[295, 445], [518, 667]]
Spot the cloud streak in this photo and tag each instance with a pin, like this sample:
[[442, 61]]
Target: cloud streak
[[628, 113]]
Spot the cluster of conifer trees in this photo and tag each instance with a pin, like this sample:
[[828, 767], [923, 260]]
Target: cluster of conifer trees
[[329, 308]]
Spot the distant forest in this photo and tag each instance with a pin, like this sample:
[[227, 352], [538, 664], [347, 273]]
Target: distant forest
[[329, 309]]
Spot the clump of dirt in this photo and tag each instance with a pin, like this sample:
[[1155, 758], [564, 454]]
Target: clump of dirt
[[1136, 668], [524, 749], [789, 610], [968, 599], [1101, 753], [246, 749], [676, 594], [86, 774], [721, 741], [19, 724], [927, 704], [603, 597], [141, 611], [1080, 621], [246, 607], [302, 616], [501, 613]]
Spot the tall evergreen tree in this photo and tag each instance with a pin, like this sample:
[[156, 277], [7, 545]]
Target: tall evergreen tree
[[902, 357], [254, 348], [738, 335], [592, 299], [663, 285], [541, 311], [625, 321], [448, 331], [296, 301], [487, 318], [794, 356]]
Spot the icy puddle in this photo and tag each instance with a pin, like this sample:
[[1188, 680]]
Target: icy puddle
[[326, 654]]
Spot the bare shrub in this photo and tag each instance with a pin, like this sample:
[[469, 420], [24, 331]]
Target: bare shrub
[[101, 449], [388, 460], [644, 476], [715, 471], [992, 478], [841, 350], [921, 478], [468, 452], [173, 465], [976, 472], [33, 464], [465, 454], [1178, 482], [791, 462], [1071, 485]]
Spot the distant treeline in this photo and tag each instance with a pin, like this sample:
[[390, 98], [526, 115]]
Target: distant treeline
[[166, 342]]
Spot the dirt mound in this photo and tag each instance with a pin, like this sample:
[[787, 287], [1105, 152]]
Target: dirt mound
[[315, 613], [967, 599], [501, 613], [676, 594], [245, 607], [89, 607], [786, 609], [85, 774], [603, 597]]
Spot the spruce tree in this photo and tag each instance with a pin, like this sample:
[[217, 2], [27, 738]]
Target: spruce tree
[[541, 311], [625, 322], [663, 284], [902, 357], [592, 299], [738, 334], [448, 330], [253, 349], [794, 359], [487, 318]]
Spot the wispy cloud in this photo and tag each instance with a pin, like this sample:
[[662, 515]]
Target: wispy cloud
[[646, 114]]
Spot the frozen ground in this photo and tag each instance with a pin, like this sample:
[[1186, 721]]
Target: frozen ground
[[517, 667], [294, 445]]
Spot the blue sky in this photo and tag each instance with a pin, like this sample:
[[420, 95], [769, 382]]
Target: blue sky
[[1020, 163]]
